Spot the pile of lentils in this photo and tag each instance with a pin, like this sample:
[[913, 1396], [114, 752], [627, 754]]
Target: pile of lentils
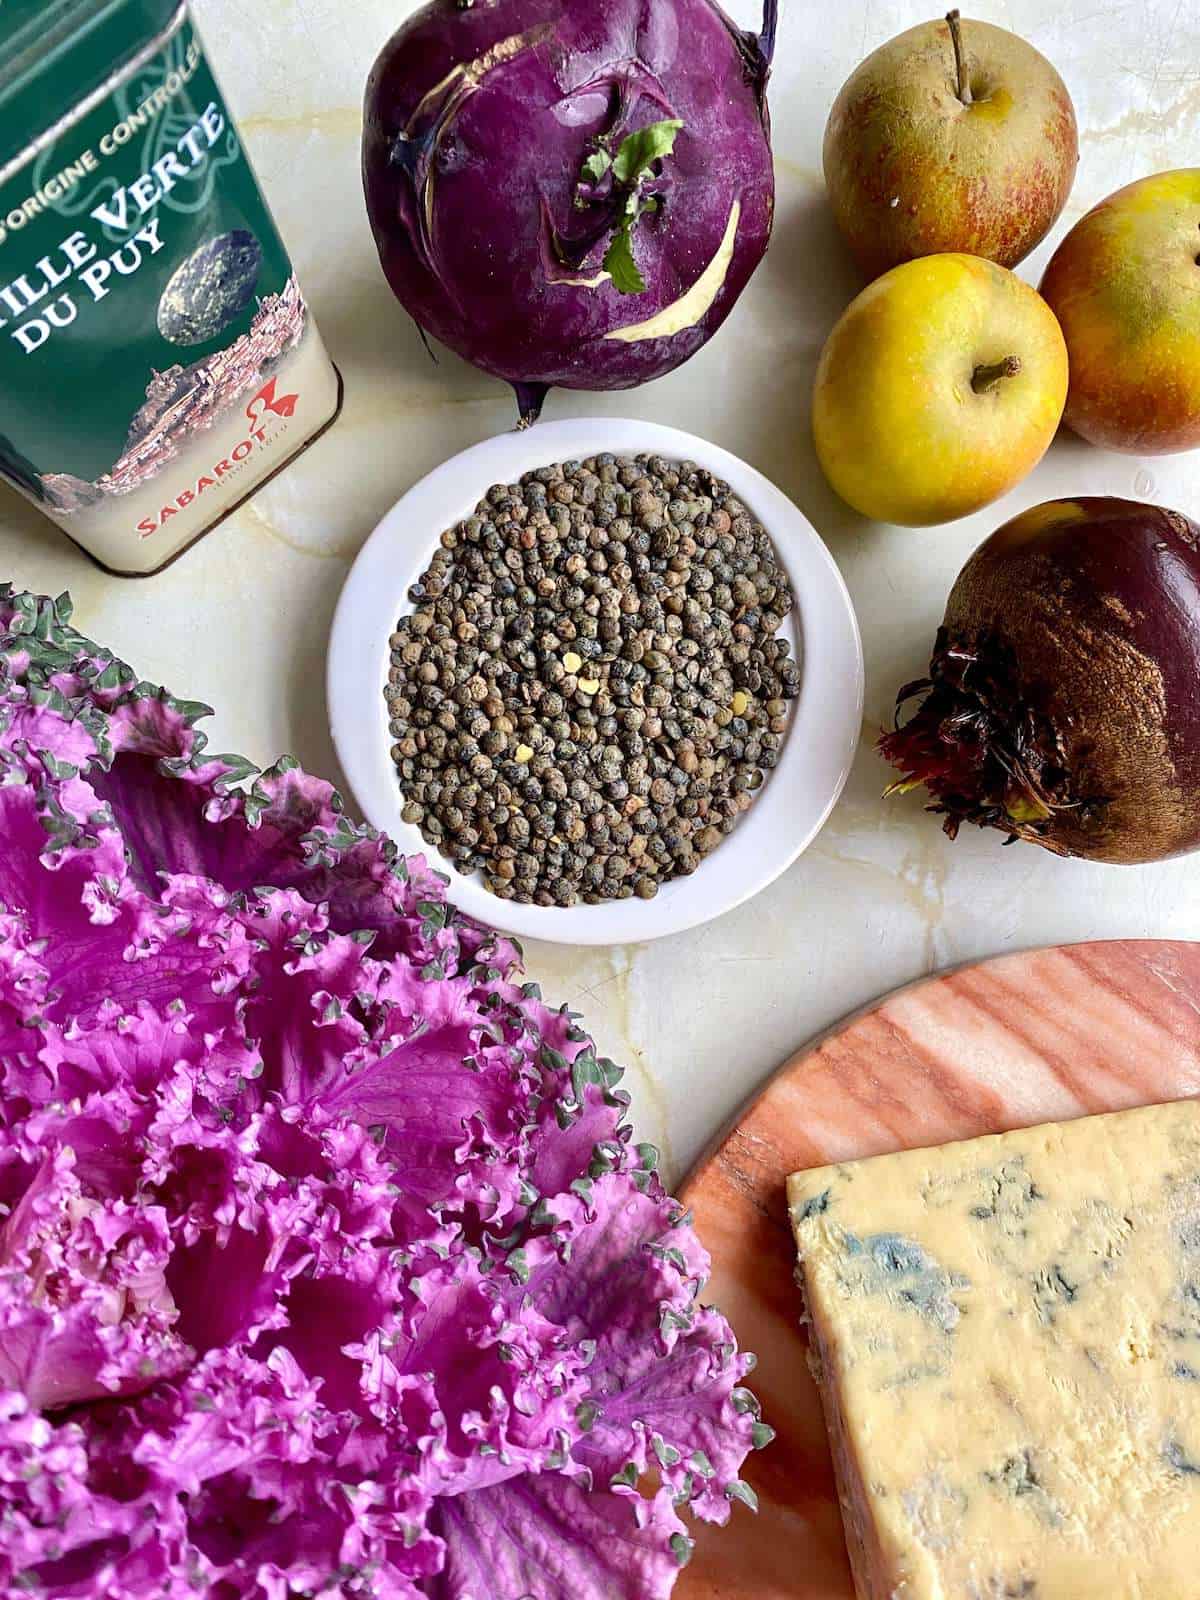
[[590, 689]]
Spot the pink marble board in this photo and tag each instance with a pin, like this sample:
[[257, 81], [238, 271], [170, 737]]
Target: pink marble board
[[1036, 1037]]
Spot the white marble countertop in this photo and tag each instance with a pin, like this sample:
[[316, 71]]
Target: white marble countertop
[[881, 897]]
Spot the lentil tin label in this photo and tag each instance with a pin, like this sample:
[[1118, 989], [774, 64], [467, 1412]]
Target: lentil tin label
[[156, 354]]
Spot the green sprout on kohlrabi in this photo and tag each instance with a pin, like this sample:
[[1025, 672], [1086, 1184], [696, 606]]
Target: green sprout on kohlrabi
[[633, 163]]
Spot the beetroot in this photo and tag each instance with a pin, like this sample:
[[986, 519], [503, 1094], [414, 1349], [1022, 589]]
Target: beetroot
[[1062, 702], [570, 193]]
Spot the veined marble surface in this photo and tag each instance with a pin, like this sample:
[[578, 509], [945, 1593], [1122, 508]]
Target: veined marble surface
[[881, 897]]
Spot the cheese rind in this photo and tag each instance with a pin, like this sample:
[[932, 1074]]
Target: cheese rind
[[1006, 1334]]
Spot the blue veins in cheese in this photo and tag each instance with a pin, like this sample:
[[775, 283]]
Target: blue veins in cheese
[[899, 1269], [1006, 1334]]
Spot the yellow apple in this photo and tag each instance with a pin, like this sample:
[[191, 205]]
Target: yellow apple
[[938, 390]]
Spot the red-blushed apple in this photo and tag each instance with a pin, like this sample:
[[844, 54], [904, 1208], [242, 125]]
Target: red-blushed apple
[[1125, 285], [956, 135]]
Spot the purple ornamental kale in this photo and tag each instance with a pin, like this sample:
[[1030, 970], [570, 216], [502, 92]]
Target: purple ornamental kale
[[327, 1264]]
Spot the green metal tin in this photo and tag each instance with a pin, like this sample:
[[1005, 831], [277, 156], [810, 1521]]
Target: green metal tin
[[157, 359], [54, 53]]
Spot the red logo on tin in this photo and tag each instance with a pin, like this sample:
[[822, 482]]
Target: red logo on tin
[[283, 405], [265, 402]]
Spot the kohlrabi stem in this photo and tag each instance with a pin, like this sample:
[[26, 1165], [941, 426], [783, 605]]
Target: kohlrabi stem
[[960, 59], [986, 377], [766, 39], [530, 398]]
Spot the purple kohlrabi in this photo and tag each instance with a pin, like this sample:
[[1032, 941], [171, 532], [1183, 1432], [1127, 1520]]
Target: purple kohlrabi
[[571, 193]]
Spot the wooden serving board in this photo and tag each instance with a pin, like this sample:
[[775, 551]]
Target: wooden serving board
[[1036, 1037]]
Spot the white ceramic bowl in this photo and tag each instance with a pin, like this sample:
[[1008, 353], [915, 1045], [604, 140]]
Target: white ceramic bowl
[[817, 750]]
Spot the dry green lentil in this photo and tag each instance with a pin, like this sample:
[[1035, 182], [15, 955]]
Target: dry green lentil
[[594, 643]]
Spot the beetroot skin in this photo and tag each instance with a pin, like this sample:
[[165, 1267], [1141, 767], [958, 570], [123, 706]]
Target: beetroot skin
[[478, 122], [1061, 705]]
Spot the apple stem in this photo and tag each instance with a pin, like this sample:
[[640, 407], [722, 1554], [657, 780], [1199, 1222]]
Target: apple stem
[[960, 60], [988, 376]]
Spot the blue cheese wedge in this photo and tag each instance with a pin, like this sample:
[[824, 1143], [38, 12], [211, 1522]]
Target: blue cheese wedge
[[1006, 1335]]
